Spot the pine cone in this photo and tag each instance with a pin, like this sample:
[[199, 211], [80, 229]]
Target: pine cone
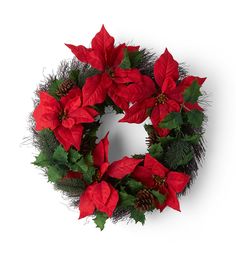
[[144, 200], [64, 87]]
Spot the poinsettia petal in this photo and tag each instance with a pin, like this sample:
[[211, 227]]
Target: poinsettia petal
[[155, 166], [101, 194], [177, 180], [190, 106], [87, 55], [118, 100], [138, 112], [122, 76], [165, 67], [81, 115], [91, 111], [103, 169], [73, 95], [155, 116], [172, 200], [77, 133], [103, 45], [168, 86], [187, 81], [139, 91], [100, 153], [143, 175], [86, 205], [120, 168], [112, 202], [95, 89], [64, 136], [47, 112], [68, 123], [116, 56]]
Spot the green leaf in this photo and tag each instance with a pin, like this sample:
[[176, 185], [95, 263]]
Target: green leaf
[[88, 176], [135, 58], [156, 150], [134, 185], [89, 158], [167, 139], [100, 219], [138, 216], [195, 118], [179, 153], [171, 121], [193, 139], [126, 200], [41, 160], [160, 197], [125, 64], [60, 155], [55, 173], [54, 87], [74, 155], [192, 93]]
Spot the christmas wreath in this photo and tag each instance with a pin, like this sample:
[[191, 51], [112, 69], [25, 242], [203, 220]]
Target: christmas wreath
[[68, 111]]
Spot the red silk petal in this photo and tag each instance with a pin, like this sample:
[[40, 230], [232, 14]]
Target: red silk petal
[[120, 168], [72, 100], [118, 100], [165, 67], [95, 89], [154, 165], [91, 111], [76, 132], [47, 112], [105, 197], [103, 169], [81, 115], [87, 55], [86, 205], [100, 153], [177, 181], [168, 85], [63, 135], [139, 91], [138, 112], [172, 200], [190, 106], [143, 175], [68, 123], [122, 76]]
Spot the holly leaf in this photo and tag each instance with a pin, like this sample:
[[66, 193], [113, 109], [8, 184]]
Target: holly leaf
[[192, 93], [193, 139], [126, 200], [74, 155], [55, 173], [41, 160], [100, 219], [156, 150], [134, 185], [138, 216], [60, 155], [52, 90], [195, 118], [160, 197], [88, 175], [171, 121]]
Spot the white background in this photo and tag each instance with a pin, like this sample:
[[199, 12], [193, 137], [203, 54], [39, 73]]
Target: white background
[[37, 228]]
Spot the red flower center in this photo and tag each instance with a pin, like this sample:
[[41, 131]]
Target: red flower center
[[161, 98]]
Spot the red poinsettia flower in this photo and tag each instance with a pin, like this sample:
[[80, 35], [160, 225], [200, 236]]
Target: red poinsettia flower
[[118, 169], [101, 195], [168, 98], [64, 117], [156, 176], [105, 57]]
